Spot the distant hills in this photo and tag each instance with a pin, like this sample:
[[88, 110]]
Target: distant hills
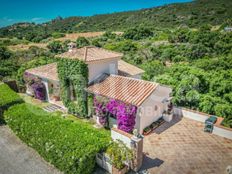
[[193, 14]]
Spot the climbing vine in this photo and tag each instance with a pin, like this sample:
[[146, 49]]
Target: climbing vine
[[73, 76], [125, 113]]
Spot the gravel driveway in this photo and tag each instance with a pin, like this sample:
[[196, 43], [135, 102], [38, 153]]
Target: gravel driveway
[[18, 158]]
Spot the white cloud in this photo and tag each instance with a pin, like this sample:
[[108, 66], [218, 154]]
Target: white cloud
[[37, 19], [6, 19]]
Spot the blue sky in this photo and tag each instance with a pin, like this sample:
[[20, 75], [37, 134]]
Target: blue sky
[[13, 11]]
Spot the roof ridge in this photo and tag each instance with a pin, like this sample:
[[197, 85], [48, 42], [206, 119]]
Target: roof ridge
[[110, 51], [141, 80]]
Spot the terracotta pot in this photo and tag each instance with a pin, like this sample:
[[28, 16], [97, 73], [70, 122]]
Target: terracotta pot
[[56, 98], [118, 171], [148, 132]]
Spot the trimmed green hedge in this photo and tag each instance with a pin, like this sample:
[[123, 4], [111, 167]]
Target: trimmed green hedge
[[8, 96], [70, 146]]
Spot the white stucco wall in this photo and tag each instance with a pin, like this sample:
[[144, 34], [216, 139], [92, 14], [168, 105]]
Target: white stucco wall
[[198, 116], [98, 68], [118, 136], [152, 108], [223, 132]]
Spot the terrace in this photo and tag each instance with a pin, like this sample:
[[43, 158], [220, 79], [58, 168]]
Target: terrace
[[182, 146]]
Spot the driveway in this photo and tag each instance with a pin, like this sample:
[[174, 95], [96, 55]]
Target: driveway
[[18, 158], [183, 147]]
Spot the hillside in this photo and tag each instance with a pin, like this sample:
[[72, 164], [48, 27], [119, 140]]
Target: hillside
[[196, 62], [193, 14]]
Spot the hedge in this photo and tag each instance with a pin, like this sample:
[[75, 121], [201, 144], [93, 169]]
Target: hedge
[[8, 96], [71, 146]]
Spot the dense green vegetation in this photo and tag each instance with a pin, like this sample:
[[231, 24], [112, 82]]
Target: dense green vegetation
[[73, 76], [193, 14], [70, 146], [181, 45], [7, 96], [197, 64], [11, 61]]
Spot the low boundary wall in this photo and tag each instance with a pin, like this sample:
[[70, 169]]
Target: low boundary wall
[[201, 117]]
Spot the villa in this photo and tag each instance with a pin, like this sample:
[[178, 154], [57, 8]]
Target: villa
[[108, 77]]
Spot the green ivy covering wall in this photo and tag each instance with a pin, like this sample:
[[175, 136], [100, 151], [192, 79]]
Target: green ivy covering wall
[[73, 74]]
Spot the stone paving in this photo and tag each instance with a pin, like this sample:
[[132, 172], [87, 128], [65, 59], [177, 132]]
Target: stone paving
[[182, 147]]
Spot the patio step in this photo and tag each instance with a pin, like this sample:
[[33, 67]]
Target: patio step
[[53, 108]]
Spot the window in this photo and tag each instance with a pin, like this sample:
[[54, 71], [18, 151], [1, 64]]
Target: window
[[155, 108], [72, 93]]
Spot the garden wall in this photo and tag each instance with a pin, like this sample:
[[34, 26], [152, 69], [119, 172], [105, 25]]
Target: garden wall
[[201, 117], [117, 134], [194, 115], [132, 142]]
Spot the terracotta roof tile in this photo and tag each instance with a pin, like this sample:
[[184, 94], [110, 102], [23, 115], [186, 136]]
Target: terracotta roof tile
[[125, 68], [48, 71], [89, 54], [128, 90]]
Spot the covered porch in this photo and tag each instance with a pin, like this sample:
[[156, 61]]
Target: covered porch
[[43, 83], [121, 101]]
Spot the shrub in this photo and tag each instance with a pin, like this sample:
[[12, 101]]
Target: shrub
[[56, 47], [71, 146], [32, 64], [82, 42], [57, 35], [137, 33], [119, 154], [8, 96]]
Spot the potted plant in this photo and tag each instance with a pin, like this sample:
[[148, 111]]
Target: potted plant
[[147, 130], [120, 156]]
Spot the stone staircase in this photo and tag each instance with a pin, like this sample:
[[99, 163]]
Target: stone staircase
[[53, 108]]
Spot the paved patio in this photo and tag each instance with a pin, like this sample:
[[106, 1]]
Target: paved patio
[[183, 147]]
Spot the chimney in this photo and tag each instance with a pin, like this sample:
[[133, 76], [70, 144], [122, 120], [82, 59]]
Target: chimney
[[71, 46]]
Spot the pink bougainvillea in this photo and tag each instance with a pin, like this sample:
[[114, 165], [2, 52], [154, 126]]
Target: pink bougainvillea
[[125, 113], [39, 90], [100, 111]]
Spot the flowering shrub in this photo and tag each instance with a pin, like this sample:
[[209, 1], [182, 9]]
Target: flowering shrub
[[29, 78], [37, 86], [39, 90], [100, 110], [125, 113]]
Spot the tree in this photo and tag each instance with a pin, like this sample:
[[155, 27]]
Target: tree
[[187, 91], [223, 110], [109, 35], [56, 47], [197, 51], [82, 42], [137, 33], [96, 43], [152, 69], [4, 53]]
